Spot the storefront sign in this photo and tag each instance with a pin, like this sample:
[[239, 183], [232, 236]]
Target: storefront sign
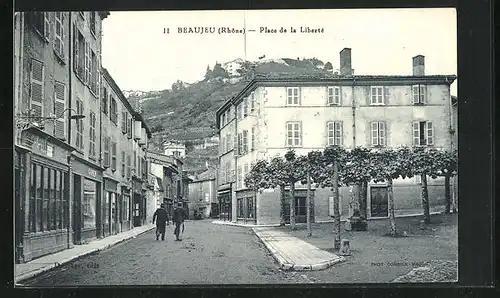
[[85, 170], [42, 146]]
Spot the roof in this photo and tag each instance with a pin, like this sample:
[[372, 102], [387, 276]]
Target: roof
[[278, 79], [124, 100], [207, 175]]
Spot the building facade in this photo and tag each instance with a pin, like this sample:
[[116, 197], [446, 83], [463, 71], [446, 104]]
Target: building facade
[[65, 193], [203, 196], [271, 115], [175, 149]]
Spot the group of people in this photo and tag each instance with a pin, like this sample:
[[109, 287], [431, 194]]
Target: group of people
[[162, 220]]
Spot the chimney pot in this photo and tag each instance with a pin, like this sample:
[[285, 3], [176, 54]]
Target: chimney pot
[[419, 65], [345, 62]]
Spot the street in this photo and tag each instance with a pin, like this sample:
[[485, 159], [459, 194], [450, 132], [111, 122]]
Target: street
[[208, 254]]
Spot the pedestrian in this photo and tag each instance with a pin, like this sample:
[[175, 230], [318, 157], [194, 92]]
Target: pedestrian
[[178, 218], [161, 217]]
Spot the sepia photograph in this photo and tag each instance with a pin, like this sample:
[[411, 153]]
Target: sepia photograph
[[242, 147]]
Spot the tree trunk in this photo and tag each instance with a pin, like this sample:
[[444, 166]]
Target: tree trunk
[[447, 193], [308, 205], [362, 201], [282, 205], [292, 206], [425, 199], [392, 217], [336, 209]]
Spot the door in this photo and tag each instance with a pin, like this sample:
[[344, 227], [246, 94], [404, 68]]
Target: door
[[77, 220], [379, 202], [113, 214], [136, 210], [300, 210]]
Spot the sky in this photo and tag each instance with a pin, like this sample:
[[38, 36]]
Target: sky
[[144, 50]]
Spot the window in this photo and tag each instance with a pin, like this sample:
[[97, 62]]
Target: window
[[93, 72], [423, 133], [105, 211], [245, 142], [239, 111], [378, 133], [245, 107], [245, 172], [106, 151], [80, 55], [41, 23], [250, 207], [334, 95], [89, 203], [253, 138], [123, 164], [59, 34], [240, 177], [335, 133], [113, 113], [292, 95], [377, 95], [79, 125], [294, 134], [241, 211], [129, 128], [59, 107], [92, 22], [37, 81], [252, 102], [135, 164], [228, 142], [113, 156], [48, 201], [129, 174], [104, 100], [418, 94], [92, 136]]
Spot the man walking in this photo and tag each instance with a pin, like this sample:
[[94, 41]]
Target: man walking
[[161, 217], [178, 218]]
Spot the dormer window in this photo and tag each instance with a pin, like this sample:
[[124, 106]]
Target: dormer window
[[334, 95], [418, 94], [377, 95], [293, 96]]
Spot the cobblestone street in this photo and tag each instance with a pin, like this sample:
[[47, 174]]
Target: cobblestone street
[[208, 254]]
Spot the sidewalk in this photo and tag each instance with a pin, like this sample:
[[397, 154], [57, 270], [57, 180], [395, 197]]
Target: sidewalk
[[49, 262], [293, 253], [228, 223]]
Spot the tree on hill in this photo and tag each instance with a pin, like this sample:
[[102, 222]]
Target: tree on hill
[[328, 66], [219, 72]]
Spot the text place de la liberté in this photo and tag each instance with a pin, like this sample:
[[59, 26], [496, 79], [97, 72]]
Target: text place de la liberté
[[232, 30]]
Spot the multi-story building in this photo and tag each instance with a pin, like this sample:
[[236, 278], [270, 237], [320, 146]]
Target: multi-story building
[[175, 149], [62, 197], [274, 114], [202, 195]]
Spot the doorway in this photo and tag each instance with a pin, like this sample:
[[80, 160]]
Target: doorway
[[379, 201], [136, 212], [77, 200], [300, 210]]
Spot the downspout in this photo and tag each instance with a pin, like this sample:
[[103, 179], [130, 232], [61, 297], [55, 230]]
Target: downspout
[[233, 200], [70, 169]]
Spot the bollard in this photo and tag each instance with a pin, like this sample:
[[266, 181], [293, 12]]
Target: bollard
[[345, 248]]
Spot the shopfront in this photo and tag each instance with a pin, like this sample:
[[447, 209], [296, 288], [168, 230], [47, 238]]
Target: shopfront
[[138, 211], [41, 196], [126, 210], [87, 204], [225, 204], [111, 208], [246, 207]]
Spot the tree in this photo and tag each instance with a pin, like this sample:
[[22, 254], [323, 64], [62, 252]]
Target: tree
[[425, 162], [311, 161], [334, 158], [388, 165], [294, 172], [448, 167], [276, 177], [257, 177], [219, 71], [357, 171], [328, 66], [208, 73]]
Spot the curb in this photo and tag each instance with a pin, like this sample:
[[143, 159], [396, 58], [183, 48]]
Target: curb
[[243, 225], [287, 266], [50, 267]]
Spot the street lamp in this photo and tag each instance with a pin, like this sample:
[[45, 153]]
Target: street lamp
[[27, 119]]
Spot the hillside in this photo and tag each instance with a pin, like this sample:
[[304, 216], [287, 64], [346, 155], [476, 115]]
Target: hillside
[[186, 112]]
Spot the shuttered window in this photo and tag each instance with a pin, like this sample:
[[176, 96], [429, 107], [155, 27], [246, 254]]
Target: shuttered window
[[105, 101], [129, 128], [135, 164], [107, 142], [88, 63], [378, 133], [253, 139], [293, 96], [123, 163], [334, 95], [418, 94], [79, 125], [293, 134], [59, 34], [113, 156], [92, 22], [59, 107], [128, 166], [245, 142], [124, 122], [423, 133], [92, 134], [37, 84], [335, 133], [377, 95], [41, 22]]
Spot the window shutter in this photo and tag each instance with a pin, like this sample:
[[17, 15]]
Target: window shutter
[[299, 99], [113, 156], [423, 94], [416, 133], [374, 134], [98, 75], [382, 133], [59, 106], [37, 79], [415, 94], [373, 95], [339, 133], [124, 122], [235, 143], [123, 164], [76, 49], [82, 126], [300, 133], [87, 63], [430, 133], [329, 92], [338, 90], [46, 24], [386, 95], [106, 152], [129, 127], [327, 133], [58, 32]]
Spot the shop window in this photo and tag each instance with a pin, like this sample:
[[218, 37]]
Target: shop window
[[106, 209], [89, 204]]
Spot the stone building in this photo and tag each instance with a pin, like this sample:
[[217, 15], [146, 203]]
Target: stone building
[[275, 113]]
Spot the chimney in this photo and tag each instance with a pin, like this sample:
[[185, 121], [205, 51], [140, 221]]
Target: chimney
[[419, 65], [345, 62]]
